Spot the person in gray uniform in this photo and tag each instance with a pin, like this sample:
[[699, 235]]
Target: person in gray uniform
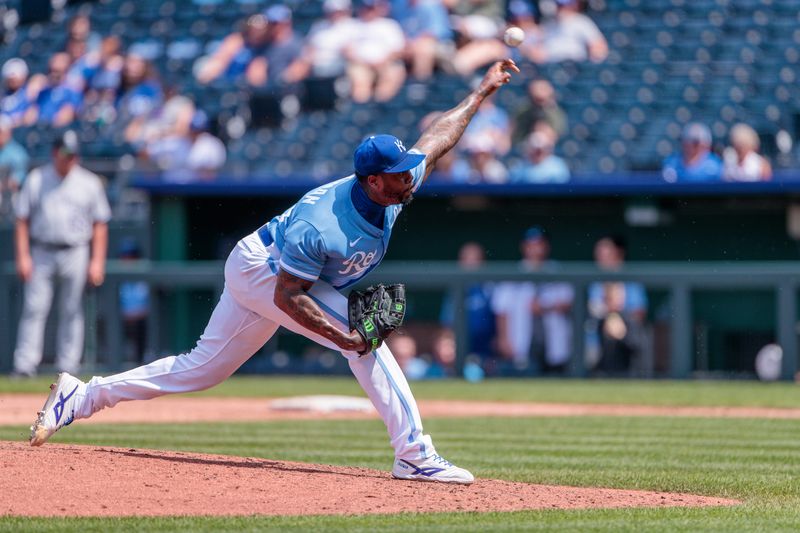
[[61, 237]]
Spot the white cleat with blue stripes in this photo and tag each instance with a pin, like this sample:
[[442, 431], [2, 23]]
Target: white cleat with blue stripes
[[58, 410], [434, 468]]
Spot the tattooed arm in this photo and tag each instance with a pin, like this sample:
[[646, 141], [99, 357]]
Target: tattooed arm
[[291, 297], [446, 130]]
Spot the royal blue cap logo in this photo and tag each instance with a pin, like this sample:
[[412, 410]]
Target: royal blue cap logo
[[384, 153]]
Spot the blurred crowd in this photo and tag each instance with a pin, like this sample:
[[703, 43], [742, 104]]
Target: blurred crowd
[[363, 52], [526, 328]]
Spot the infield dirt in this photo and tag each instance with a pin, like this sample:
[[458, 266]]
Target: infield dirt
[[68, 480]]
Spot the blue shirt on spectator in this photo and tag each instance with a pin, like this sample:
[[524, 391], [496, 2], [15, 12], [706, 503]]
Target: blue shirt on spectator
[[238, 65], [706, 168], [52, 100], [279, 56], [82, 71], [15, 104], [14, 157], [551, 169], [480, 318], [426, 17], [140, 100], [635, 296], [134, 299]]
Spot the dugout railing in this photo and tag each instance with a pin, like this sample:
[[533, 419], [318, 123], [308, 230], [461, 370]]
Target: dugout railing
[[678, 280]]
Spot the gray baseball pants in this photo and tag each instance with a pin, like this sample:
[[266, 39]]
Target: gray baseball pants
[[68, 268]]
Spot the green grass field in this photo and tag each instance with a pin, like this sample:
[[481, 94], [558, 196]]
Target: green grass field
[[757, 461]]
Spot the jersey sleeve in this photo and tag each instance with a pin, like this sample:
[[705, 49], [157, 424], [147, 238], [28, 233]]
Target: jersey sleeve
[[303, 253], [102, 211], [418, 172], [23, 203]]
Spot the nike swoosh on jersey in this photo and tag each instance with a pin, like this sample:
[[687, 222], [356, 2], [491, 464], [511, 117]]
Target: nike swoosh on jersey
[[353, 243]]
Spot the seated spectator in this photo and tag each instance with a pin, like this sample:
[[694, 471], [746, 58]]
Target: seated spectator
[[100, 68], [569, 36], [696, 162], [240, 55], [283, 49], [207, 154], [56, 102], [323, 53], [79, 71], [374, 56], [479, 164], [139, 93], [540, 108], [271, 85], [404, 349], [197, 156], [17, 101], [477, 305], [618, 311], [478, 25], [169, 120], [444, 356], [82, 46], [104, 69], [477, 52], [429, 37], [542, 165], [14, 162], [742, 162]]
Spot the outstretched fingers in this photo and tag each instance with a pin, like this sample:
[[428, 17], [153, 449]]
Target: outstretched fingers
[[508, 64]]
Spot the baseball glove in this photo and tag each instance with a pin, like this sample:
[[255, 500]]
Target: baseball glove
[[376, 312]]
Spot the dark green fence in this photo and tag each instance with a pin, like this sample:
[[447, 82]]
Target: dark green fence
[[679, 282]]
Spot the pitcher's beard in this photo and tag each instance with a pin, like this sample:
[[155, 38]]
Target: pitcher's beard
[[408, 200]]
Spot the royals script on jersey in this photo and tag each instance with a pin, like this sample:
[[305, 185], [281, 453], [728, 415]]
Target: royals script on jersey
[[323, 236]]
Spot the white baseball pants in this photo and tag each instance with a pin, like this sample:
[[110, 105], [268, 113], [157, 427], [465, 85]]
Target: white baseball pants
[[243, 320], [67, 268]]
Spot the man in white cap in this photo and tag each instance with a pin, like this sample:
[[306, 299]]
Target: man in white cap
[[16, 102], [61, 236]]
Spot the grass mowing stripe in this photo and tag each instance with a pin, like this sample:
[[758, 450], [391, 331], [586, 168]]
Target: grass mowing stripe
[[624, 520], [665, 393]]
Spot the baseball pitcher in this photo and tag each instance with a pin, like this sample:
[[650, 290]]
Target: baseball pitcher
[[293, 272]]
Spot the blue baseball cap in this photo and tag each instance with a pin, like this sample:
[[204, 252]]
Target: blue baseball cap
[[519, 9], [535, 233], [384, 153], [278, 13]]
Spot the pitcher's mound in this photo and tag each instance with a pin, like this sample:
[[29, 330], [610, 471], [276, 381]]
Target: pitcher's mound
[[65, 480]]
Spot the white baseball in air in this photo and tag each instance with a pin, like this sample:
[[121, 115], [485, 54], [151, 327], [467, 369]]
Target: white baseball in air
[[514, 36]]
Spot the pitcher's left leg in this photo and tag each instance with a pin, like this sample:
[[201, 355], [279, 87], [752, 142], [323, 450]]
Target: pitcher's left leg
[[382, 379]]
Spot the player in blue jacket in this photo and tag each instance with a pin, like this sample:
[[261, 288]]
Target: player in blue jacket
[[291, 272]]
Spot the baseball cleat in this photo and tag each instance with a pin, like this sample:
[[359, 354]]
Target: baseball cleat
[[58, 410], [434, 468]]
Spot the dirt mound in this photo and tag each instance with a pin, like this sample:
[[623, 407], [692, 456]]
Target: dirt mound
[[61, 480]]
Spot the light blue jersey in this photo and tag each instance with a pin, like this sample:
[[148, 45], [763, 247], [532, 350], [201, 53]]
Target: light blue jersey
[[323, 236]]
